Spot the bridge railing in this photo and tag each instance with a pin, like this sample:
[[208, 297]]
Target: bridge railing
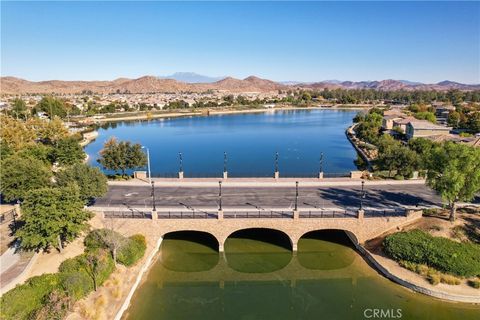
[[399, 212], [187, 215], [257, 214], [264, 214], [131, 214], [328, 214]]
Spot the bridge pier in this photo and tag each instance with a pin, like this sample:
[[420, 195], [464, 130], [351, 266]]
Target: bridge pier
[[180, 175], [225, 175], [320, 175], [277, 175], [220, 214], [360, 214]]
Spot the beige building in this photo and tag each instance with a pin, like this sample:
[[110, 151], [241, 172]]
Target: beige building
[[423, 128]]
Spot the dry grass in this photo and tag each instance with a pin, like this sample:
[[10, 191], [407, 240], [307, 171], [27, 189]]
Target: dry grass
[[430, 274]]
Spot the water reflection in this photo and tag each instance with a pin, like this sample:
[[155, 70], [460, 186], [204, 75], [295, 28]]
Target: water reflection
[[189, 251], [325, 250], [191, 280]]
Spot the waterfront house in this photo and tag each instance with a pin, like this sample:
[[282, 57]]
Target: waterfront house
[[402, 123], [387, 121], [423, 128]]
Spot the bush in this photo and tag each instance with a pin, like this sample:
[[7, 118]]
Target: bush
[[24, 300], [445, 255], [129, 250], [133, 250], [433, 278], [76, 277], [475, 283], [100, 239], [55, 306]]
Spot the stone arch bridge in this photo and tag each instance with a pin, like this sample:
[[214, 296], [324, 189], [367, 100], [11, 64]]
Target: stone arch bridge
[[359, 227]]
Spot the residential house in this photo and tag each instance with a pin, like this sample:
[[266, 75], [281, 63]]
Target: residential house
[[423, 129]]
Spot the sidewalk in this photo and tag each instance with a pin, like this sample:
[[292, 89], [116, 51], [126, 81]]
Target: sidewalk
[[261, 182]]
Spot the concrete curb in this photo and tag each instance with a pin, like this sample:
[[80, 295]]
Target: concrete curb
[[21, 278], [144, 269], [259, 183]]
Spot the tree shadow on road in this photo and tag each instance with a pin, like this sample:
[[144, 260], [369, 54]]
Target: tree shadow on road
[[373, 198]]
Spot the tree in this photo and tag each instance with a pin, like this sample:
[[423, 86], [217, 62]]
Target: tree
[[473, 123], [68, 151], [393, 156], [38, 151], [106, 238], [429, 116], [91, 181], [52, 106], [122, 156], [50, 131], [453, 119], [15, 134], [19, 108], [52, 216], [19, 175], [454, 173]]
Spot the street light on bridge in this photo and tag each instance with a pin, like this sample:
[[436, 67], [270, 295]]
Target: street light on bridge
[[153, 196], [362, 196], [220, 195], [148, 164], [296, 195]]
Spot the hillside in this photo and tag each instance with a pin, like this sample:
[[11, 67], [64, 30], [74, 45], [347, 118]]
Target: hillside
[[151, 84]]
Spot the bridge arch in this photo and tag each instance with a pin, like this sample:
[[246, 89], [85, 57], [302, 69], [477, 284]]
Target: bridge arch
[[261, 250], [277, 233], [181, 256]]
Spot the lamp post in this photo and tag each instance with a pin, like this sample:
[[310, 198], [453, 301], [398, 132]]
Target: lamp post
[[362, 196], [153, 195], [276, 161], [148, 164], [224, 162], [220, 195], [296, 195], [181, 161], [321, 162]]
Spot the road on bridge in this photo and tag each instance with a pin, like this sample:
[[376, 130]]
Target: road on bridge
[[259, 198]]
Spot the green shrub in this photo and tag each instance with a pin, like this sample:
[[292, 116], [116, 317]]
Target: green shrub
[[76, 274], [129, 250], [445, 255], [433, 278], [100, 239], [132, 251], [24, 300], [55, 306], [475, 283]]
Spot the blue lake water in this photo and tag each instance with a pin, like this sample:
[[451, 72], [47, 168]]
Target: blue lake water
[[250, 141]]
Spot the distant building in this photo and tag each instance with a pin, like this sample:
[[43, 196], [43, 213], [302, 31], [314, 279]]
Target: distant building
[[402, 123], [423, 129], [387, 121], [442, 111]]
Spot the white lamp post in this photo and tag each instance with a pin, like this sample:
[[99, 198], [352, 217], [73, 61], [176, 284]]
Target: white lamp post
[[148, 163]]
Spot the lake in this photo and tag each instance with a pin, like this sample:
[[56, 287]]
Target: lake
[[258, 278], [249, 139]]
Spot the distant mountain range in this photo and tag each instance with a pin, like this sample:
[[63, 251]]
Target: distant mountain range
[[191, 77], [152, 84]]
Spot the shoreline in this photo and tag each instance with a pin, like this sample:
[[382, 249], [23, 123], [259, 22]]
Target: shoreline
[[202, 113], [380, 264]]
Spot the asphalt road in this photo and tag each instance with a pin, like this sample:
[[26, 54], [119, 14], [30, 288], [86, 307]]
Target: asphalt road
[[310, 198]]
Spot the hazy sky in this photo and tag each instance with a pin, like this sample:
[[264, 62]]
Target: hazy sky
[[307, 41]]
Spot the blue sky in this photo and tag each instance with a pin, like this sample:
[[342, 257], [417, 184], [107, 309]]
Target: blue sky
[[306, 41]]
